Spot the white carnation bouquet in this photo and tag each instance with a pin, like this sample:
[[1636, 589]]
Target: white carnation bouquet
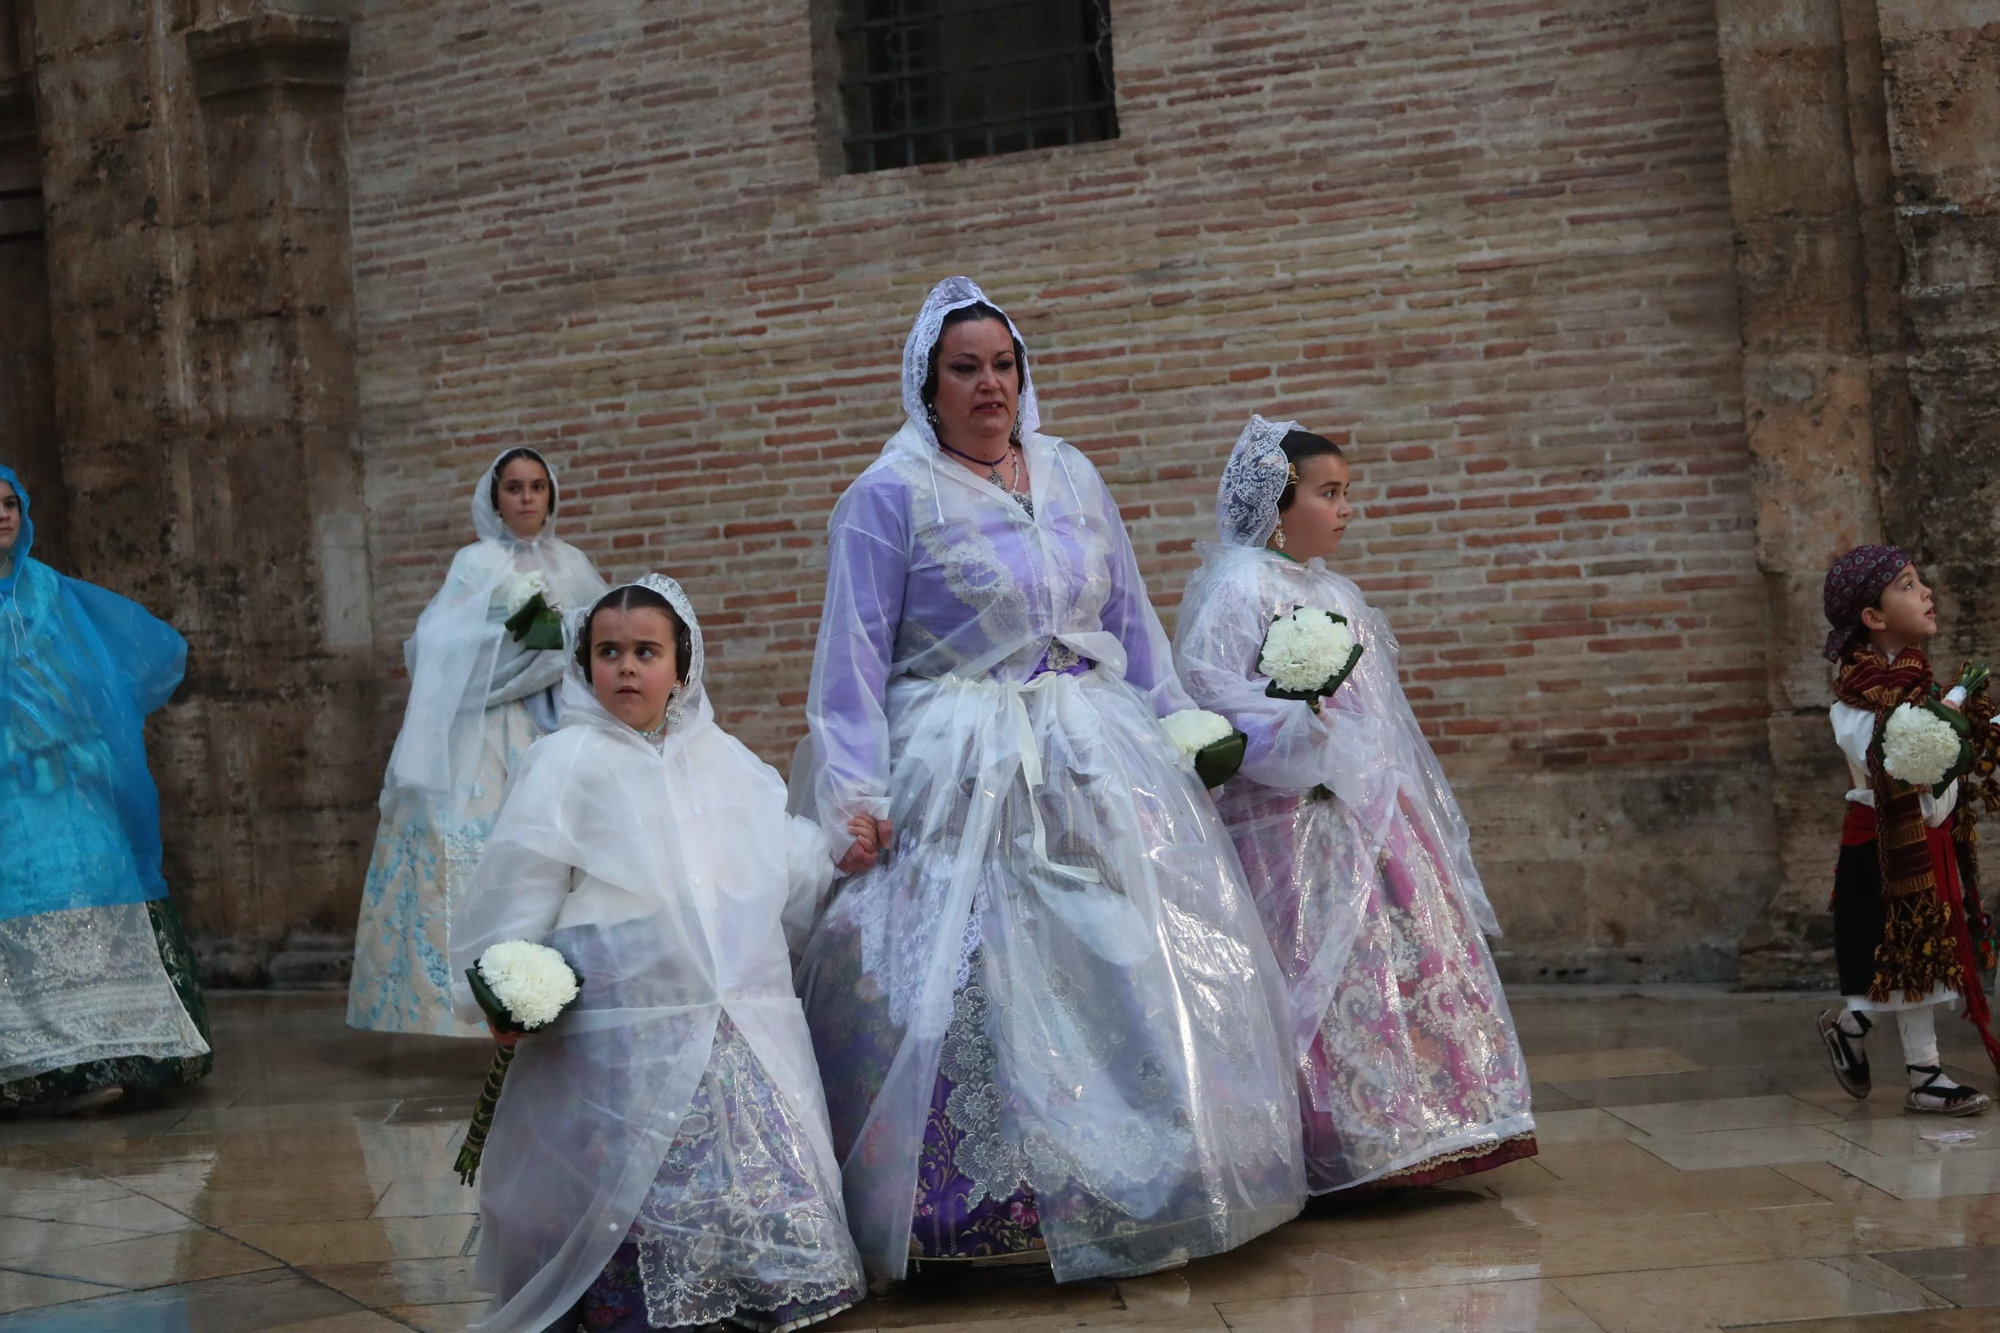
[[1308, 654], [522, 987], [533, 616], [1207, 742], [523, 588], [1925, 745]]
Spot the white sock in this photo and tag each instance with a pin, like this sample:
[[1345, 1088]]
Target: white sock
[[1849, 1022], [1919, 1032]]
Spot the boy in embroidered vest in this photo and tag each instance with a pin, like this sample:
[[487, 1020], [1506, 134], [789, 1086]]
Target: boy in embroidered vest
[[1901, 941]]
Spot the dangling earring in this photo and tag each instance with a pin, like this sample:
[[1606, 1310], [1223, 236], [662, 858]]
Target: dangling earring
[[674, 710], [930, 415], [1278, 537], [1014, 435]]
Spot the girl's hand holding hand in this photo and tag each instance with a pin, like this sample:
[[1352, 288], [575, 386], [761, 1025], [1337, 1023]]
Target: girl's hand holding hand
[[867, 832]]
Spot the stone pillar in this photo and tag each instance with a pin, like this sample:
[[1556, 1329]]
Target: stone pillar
[[205, 392], [1940, 72], [1804, 175], [27, 391]]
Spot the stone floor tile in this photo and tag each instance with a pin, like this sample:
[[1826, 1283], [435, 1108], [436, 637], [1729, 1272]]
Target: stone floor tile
[[1753, 1147], [379, 1283], [249, 1303], [22, 1238], [454, 1317], [1718, 1113], [1489, 1307], [156, 1261], [431, 1196], [287, 1116], [1869, 1224], [1740, 1294], [364, 1241], [125, 1211], [1967, 1275], [1583, 1126], [1916, 1135], [32, 1291], [1914, 1321], [1613, 1063], [1932, 1175]]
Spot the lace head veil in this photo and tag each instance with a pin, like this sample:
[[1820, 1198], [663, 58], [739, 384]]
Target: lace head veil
[[949, 295], [580, 700], [1253, 479]]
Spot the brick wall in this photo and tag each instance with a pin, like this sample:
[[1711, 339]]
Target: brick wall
[[1487, 246]]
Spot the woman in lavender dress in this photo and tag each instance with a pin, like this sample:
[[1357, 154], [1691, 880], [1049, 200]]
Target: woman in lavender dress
[[1048, 1022]]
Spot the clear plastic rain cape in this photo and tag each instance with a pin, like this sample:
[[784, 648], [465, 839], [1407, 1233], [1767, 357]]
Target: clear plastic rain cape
[[1051, 851], [462, 661], [80, 669], [1387, 851], [665, 876]]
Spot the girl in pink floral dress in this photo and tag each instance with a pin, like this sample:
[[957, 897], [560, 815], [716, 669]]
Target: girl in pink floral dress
[[1353, 846]]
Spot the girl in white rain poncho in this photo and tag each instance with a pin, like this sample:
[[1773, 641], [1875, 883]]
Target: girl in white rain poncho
[[1049, 1019], [1409, 1070], [478, 698], [659, 1155]]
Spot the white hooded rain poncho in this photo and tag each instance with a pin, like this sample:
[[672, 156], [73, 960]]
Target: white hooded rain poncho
[[674, 1105], [478, 699], [1361, 865], [1050, 1015]]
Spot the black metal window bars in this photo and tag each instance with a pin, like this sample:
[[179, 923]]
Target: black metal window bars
[[945, 80]]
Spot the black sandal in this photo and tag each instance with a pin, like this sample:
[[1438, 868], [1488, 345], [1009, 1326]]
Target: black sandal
[[1955, 1100], [1850, 1062]]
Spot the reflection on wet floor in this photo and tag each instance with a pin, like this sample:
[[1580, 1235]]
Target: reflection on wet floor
[[1700, 1170]]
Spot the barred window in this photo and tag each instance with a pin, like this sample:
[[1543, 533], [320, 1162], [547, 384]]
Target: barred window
[[944, 80]]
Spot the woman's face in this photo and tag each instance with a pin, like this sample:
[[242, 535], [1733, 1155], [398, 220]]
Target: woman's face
[[978, 388], [524, 497], [10, 518], [1319, 512], [632, 663]]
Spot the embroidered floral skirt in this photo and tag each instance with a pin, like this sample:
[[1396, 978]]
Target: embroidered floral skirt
[[116, 983], [738, 1227], [425, 852], [1415, 1074]]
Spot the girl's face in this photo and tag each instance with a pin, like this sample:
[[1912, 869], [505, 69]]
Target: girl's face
[[1319, 512], [524, 497], [1906, 614], [978, 388], [10, 517], [632, 664]]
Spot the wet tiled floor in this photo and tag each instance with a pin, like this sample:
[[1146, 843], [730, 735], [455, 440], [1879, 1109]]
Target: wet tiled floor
[[1700, 1170]]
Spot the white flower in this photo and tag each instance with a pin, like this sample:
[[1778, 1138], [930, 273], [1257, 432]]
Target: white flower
[[532, 980], [1193, 730], [1918, 746], [1305, 649], [524, 588]]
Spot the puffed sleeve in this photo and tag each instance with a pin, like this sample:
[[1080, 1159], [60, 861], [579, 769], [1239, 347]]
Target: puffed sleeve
[[867, 566], [1130, 618]]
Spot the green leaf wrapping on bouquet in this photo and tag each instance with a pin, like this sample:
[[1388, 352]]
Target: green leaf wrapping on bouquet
[[496, 1013], [535, 627], [1217, 762], [489, 1003]]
